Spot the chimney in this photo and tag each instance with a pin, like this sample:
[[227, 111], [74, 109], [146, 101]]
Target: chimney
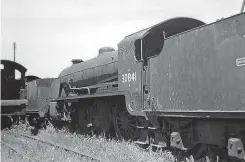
[[76, 61]]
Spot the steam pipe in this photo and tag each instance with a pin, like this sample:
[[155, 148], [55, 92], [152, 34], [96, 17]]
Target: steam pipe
[[82, 88]]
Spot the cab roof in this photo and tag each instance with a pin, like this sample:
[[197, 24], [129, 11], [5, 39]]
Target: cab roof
[[15, 65]]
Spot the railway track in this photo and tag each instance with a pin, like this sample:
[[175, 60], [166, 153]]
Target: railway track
[[85, 155], [92, 158], [17, 152]]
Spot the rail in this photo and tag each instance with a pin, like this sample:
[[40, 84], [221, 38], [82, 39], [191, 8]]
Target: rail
[[14, 150], [66, 149]]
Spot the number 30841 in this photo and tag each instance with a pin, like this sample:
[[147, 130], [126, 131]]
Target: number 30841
[[129, 77]]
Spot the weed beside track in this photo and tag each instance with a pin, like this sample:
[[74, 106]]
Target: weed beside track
[[120, 151]]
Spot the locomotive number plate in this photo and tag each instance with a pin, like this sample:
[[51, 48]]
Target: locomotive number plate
[[129, 77], [240, 62]]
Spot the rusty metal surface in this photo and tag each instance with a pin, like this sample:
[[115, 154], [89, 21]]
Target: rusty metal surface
[[32, 96], [38, 92], [43, 96], [201, 70], [128, 66], [92, 71], [130, 72], [54, 89]]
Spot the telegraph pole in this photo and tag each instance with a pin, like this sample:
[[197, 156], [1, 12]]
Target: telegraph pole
[[14, 50]]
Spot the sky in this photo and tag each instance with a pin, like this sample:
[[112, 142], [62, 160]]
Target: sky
[[50, 33]]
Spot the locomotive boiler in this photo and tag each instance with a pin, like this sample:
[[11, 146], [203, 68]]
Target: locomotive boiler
[[97, 75], [100, 69], [177, 84]]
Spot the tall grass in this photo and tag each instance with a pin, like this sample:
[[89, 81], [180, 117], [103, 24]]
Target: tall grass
[[109, 149]]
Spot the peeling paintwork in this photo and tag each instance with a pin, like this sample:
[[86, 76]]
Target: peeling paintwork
[[138, 91], [197, 71]]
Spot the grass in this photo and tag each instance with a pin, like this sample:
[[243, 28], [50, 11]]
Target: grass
[[111, 150]]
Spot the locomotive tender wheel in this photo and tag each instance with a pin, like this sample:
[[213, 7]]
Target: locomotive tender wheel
[[124, 124]]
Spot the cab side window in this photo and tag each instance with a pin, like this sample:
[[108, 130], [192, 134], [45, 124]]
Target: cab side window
[[153, 44], [17, 74], [150, 45], [138, 50]]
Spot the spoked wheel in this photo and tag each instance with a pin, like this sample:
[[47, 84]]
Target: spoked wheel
[[124, 124], [97, 118]]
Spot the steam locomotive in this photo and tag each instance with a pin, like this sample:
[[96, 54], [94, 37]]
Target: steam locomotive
[[22, 97], [12, 107], [178, 84]]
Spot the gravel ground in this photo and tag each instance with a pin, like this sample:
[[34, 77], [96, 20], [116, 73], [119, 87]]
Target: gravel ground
[[110, 150]]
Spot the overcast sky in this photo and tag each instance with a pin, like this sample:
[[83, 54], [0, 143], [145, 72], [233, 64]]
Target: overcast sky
[[50, 33]]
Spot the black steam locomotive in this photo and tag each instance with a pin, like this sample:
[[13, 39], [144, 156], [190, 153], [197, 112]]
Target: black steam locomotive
[[178, 84], [22, 97]]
